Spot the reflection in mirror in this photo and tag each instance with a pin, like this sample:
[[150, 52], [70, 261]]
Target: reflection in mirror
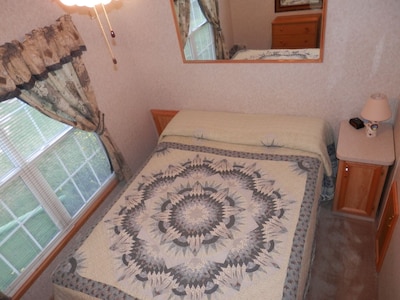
[[249, 31]]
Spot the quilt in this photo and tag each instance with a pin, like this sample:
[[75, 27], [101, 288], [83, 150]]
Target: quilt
[[201, 222], [267, 54]]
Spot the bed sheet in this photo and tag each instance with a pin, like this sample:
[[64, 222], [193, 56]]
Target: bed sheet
[[203, 220]]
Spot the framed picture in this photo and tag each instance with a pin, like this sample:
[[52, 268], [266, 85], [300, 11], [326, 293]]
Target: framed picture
[[289, 5]]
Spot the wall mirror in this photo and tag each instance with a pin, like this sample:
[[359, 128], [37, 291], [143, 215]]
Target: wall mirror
[[254, 31]]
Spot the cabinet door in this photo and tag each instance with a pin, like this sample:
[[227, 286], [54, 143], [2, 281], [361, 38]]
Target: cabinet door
[[359, 188], [386, 227]]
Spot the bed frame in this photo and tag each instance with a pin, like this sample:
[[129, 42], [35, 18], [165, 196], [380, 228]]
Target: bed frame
[[162, 117], [390, 210]]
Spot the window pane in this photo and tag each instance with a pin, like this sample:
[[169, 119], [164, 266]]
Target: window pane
[[101, 166], [7, 275], [6, 164], [7, 223], [188, 51], [70, 198], [48, 128], [27, 129], [27, 141], [200, 42], [35, 226], [19, 250], [53, 171], [25, 228], [89, 144], [81, 178], [197, 17], [70, 154], [204, 45], [76, 169], [17, 197]]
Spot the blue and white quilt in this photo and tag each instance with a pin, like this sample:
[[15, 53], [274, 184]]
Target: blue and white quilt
[[203, 222]]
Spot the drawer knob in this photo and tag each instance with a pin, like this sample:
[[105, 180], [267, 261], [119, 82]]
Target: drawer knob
[[346, 171]]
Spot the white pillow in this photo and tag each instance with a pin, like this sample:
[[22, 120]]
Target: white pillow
[[297, 132]]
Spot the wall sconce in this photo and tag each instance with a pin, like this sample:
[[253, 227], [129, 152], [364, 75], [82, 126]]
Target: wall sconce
[[93, 3], [376, 109]]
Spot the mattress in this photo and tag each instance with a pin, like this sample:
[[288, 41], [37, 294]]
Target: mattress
[[213, 214]]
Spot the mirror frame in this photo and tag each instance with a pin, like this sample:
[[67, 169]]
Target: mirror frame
[[229, 61]]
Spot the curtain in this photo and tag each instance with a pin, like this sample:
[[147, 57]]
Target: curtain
[[211, 11], [182, 10], [46, 71]]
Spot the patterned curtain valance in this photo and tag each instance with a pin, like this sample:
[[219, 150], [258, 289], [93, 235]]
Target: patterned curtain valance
[[43, 50]]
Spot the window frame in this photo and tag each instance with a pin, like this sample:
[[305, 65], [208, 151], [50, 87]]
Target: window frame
[[190, 49], [67, 225], [61, 241]]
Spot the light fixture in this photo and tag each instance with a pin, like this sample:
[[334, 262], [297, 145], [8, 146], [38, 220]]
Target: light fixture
[[376, 110], [93, 3]]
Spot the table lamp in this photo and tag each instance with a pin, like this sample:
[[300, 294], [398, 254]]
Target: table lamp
[[376, 110]]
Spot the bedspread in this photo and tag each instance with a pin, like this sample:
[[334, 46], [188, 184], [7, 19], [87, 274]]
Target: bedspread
[[267, 54], [201, 223]]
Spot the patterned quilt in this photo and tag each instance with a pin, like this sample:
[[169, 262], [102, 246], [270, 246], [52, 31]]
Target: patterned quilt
[[312, 53], [200, 222]]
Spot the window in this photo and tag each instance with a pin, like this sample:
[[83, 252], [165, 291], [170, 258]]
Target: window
[[48, 173], [200, 42]]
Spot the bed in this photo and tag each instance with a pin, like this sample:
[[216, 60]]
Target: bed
[[224, 208], [251, 54]]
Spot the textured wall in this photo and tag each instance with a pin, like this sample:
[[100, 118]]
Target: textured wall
[[361, 57]]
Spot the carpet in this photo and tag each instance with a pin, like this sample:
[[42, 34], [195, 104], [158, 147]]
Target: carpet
[[344, 262]]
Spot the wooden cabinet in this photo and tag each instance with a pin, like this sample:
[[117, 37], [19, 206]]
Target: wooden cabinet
[[386, 227], [359, 188], [162, 117], [296, 31], [363, 166]]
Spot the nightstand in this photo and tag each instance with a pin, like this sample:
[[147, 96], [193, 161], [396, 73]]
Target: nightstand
[[363, 165]]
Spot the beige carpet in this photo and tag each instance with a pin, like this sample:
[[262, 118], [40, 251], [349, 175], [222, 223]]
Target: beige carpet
[[344, 262]]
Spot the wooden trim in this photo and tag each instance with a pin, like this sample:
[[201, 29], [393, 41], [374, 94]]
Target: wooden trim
[[79, 223], [386, 227], [162, 118]]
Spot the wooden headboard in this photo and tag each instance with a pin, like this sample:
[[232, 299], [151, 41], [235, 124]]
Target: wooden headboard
[[162, 117]]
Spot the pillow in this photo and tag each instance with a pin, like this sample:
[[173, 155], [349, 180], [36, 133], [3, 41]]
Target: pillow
[[269, 130]]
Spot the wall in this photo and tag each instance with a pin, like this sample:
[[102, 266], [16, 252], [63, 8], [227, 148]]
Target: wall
[[251, 21], [361, 57]]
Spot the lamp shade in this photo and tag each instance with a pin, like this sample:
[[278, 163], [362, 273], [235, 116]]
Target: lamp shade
[[88, 3], [377, 108]]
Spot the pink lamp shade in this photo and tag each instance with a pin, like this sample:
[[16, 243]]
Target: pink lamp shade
[[377, 108]]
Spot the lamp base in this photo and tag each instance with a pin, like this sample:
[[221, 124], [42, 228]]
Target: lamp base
[[371, 129]]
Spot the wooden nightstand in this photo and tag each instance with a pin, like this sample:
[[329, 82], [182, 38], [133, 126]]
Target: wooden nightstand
[[363, 165], [296, 31]]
